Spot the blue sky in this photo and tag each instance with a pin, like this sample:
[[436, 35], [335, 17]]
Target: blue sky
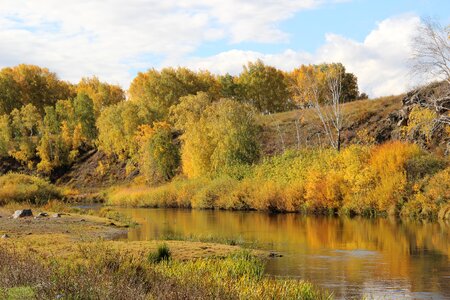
[[114, 39]]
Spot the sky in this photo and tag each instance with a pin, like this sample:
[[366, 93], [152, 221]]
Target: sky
[[115, 39]]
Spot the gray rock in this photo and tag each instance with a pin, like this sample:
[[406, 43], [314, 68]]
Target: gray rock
[[22, 213]]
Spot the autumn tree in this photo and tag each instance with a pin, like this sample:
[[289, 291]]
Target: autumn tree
[[5, 135], [117, 126], [101, 93], [159, 156], [321, 88], [159, 90], [29, 84], [264, 87], [84, 113], [226, 134], [300, 78], [189, 110], [25, 126]]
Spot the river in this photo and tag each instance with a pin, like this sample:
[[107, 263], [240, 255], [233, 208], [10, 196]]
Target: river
[[352, 257]]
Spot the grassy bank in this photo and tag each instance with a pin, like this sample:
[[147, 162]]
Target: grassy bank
[[135, 275], [393, 178], [25, 188]]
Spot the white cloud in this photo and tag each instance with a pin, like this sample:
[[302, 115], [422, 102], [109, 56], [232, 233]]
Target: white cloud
[[111, 37], [380, 61]]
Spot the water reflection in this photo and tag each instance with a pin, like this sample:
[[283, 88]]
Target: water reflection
[[353, 257]]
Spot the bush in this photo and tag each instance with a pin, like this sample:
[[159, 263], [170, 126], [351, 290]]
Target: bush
[[24, 188], [161, 254], [392, 178]]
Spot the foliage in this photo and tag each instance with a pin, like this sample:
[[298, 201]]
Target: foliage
[[393, 178], [159, 90], [25, 188], [303, 78], [159, 156], [117, 127], [101, 93], [226, 134], [421, 122], [28, 84], [264, 87]]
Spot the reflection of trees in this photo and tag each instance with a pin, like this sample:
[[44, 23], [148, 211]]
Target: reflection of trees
[[410, 252]]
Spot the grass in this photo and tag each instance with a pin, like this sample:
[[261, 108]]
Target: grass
[[25, 188], [129, 275]]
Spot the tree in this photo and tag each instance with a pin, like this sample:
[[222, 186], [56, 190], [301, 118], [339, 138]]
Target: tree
[[321, 88], [117, 126], [431, 60], [264, 87], [85, 116], [101, 93], [159, 156], [29, 84], [225, 135], [5, 135], [189, 110], [159, 90], [431, 51], [229, 87], [25, 126], [300, 79]]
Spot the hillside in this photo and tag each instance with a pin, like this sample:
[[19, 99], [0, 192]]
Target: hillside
[[374, 119]]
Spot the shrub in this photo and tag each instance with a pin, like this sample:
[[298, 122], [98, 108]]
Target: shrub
[[24, 188], [161, 254]]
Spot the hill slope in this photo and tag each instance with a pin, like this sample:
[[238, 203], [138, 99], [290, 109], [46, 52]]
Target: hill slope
[[366, 119]]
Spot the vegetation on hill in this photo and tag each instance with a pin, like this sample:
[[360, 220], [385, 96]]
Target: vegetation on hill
[[213, 137]]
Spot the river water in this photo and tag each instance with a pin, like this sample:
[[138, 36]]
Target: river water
[[352, 257]]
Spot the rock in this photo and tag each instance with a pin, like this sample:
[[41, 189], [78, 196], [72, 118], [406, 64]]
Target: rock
[[82, 220], [273, 255], [22, 213], [5, 236], [56, 215], [42, 214]]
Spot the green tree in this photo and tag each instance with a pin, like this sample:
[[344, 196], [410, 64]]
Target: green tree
[[159, 155], [264, 87], [25, 125], [85, 116]]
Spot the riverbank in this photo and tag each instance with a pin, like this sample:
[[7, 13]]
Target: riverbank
[[391, 179], [75, 256]]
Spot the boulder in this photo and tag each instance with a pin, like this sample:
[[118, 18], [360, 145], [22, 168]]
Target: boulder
[[22, 213]]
